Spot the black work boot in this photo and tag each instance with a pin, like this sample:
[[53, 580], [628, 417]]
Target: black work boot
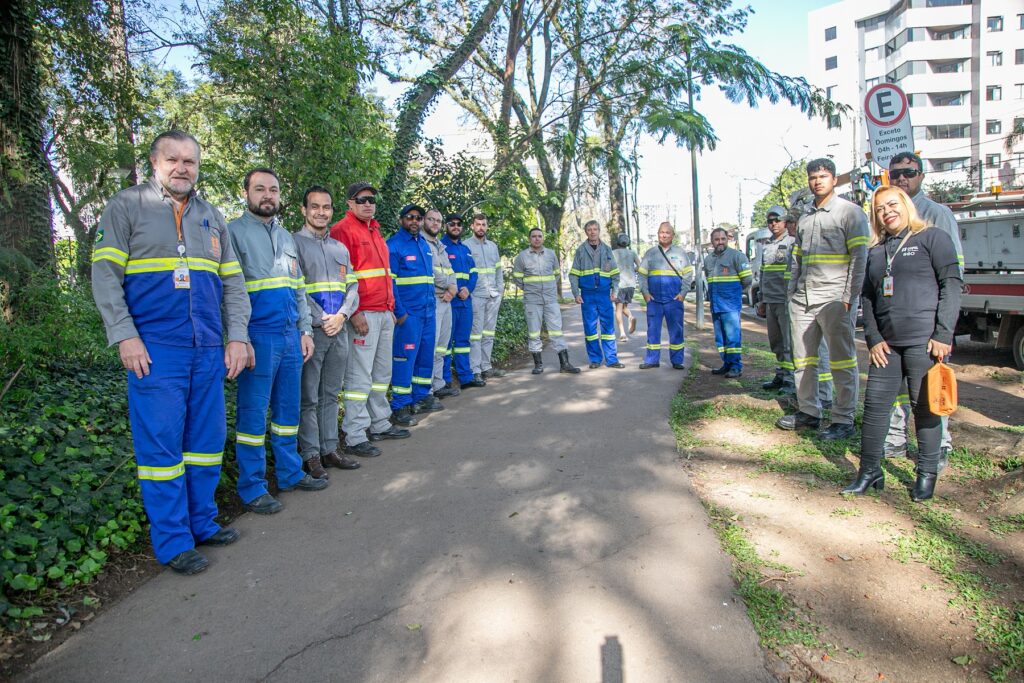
[[538, 363], [564, 365]]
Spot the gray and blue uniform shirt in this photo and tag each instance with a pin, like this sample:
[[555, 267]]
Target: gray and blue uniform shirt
[[776, 261], [273, 278], [664, 280], [330, 285], [830, 254], [594, 270]]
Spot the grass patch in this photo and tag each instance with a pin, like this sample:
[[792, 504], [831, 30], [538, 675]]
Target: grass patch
[[847, 512], [776, 617], [1006, 525], [1007, 377]]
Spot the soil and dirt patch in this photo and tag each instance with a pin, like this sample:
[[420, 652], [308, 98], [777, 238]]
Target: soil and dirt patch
[[873, 588]]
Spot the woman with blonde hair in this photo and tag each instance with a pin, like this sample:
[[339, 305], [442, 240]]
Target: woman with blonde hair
[[911, 300]]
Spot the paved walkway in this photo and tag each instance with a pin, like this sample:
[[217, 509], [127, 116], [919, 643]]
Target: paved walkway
[[537, 530]]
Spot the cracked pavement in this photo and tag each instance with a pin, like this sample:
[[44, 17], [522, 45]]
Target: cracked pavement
[[539, 529]]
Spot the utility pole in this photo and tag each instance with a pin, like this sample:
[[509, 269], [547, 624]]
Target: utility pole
[[699, 318]]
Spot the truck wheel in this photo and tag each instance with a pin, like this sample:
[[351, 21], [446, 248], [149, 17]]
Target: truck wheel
[[1018, 348]]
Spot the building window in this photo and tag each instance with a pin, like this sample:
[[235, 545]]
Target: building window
[[993, 93], [871, 82], [917, 100], [993, 126], [950, 165], [833, 121], [994, 24], [992, 160], [951, 99], [830, 33], [828, 92], [995, 58], [950, 34], [1020, 91], [1020, 22], [1018, 56], [946, 3], [831, 63], [947, 67], [947, 131]]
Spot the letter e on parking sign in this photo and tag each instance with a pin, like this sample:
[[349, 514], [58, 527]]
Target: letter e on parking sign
[[887, 116]]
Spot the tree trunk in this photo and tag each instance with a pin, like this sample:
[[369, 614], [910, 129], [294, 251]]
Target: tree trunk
[[416, 103], [512, 46], [25, 216], [616, 195], [125, 101]]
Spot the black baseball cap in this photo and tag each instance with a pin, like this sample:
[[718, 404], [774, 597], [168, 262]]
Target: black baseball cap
[[411, 207], [357, 187], [453, 217]]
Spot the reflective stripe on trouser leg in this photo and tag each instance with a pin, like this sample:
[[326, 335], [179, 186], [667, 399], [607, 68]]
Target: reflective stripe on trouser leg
[[157, 410], [534, 319], [254, 387], [553, 323], [377, 405], [423, 364], [780, 340], [462, 324], [590, 327], [806, 337], [717, 323], [674, 322], [476, 333], [358, 372], [404, 348], [285, 394], [442, 343], [488, 330], [203, 446], [836, 324], [824, 373], [606, 316], [729, 323], [322, 379], [655, 312]]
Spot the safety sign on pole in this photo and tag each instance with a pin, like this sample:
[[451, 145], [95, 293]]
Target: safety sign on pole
[[887, 114]]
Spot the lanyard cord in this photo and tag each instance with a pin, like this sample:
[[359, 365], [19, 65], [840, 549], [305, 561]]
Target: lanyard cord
[[889, 259]]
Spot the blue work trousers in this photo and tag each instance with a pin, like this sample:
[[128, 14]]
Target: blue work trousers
[[599, 308], [727, 337], [462, 325], [275, 382], [412, 359], [672, 313], [178, 430]]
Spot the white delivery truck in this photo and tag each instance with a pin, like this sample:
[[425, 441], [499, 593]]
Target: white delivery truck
[[992, 309]]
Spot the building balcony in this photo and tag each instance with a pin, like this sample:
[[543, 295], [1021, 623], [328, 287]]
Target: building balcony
[[933, 82], [944, 149], [936, 16], [925, 50], [940, 116]]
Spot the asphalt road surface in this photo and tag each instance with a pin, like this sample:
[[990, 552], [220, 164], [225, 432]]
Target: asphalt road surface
[[539, 529]]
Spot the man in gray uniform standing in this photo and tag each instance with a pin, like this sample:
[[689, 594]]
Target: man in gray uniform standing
[[829, 258], [445, 289], [906, 171], [774, 279], [333, 295], [536, 271], [490, 286]]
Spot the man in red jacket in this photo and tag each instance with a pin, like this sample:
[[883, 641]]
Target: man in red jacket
[[368, 373]]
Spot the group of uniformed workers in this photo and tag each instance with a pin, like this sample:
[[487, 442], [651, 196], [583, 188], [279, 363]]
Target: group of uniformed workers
[[810, 277]]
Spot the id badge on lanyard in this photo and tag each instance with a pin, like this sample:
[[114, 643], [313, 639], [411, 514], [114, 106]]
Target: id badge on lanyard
[[888, 283], [181, 274]]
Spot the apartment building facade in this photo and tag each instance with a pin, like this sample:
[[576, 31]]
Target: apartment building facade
[[961, 64]]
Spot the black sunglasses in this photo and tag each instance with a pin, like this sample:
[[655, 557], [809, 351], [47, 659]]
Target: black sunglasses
[[458, 223], [365, 200], [774, 220], [904, 173], [413, 216]]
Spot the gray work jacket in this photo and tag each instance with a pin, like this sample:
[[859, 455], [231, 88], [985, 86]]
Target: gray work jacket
[[594, 270], [444, 275], [134, 263], [330, 285], [939, 216], [490, 281], [776, 260], [830, 254], [536, 273]]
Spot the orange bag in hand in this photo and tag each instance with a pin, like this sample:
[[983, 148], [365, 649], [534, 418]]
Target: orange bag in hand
[[941, 389]]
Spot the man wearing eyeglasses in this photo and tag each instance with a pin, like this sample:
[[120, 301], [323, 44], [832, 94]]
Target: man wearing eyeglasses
[[461, 261], [412, 271], [372, 327], [906, 171]]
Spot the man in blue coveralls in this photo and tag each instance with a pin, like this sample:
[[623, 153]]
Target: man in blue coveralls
[[728, 273], [594, 279], [281, 336], [166, 282], [461, 261], [412, 271]]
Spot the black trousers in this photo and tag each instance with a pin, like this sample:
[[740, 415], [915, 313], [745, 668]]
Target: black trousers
[[911, 363]]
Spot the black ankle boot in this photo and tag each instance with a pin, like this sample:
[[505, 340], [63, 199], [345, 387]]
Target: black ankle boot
[[866, 479], [538, 364], [564, 365], [924, 487]]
